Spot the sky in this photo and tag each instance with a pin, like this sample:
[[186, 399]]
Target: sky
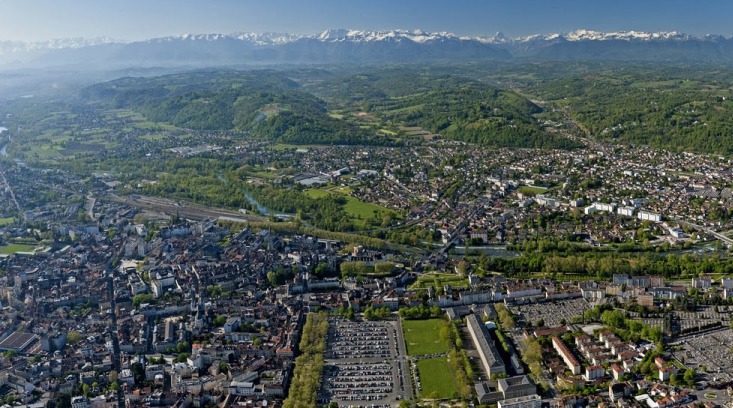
[[132, 20]]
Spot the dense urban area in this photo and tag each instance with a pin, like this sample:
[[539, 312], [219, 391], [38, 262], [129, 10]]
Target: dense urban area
[[370, 245]]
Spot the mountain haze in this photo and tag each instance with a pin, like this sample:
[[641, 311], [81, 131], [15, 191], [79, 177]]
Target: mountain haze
[[354, 46]]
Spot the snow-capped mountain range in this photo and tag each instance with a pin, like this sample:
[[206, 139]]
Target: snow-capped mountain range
[[358, 46], [420, 36]]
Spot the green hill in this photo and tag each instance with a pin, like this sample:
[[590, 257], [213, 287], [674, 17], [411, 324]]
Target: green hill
[[263, 103], [454, 107]]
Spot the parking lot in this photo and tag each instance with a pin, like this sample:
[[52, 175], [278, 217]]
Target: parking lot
[[359, 340], [552, 313], [712, 350], [364, 364]]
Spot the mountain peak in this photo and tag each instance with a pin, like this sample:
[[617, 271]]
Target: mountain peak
[[373, 46]]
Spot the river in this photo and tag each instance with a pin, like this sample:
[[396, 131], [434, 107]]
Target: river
[[260, 208], [266, 211]]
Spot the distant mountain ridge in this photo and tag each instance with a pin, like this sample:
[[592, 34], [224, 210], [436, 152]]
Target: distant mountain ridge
[[359, 46]]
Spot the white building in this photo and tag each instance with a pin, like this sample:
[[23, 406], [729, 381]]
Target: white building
[[529, 401], [241, 388], [626, 211], [79, 402], [649, 216], [605, 207], [702, 283], [594, 372]]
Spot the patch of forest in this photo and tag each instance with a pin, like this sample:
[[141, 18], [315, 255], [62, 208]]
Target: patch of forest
[[264, 103]]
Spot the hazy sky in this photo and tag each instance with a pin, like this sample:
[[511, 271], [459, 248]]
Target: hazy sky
[[140, 19]]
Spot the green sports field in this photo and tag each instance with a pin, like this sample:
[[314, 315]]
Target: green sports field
[[422, 337], [436, 378]]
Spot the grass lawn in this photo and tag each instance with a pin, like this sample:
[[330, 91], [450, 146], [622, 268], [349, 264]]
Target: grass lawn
[[361, 209], [422, 337], [678, 364], [264, 174], [426, 280], [6, 221], [13, 248], [354, 207], [436, 378], [531, 190], [316, 193]]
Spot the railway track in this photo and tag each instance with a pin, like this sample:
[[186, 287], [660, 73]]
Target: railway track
[[184, 209]]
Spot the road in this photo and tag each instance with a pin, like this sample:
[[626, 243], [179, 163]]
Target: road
[[115, 340], [113, 323], [404, 361], [708, 230], [461, 227], [21, 214]]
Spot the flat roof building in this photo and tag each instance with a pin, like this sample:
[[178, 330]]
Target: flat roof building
[[529, 401], [485, 345]]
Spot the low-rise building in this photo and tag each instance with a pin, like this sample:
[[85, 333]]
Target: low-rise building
[[528, 401], [594, 372], [566, 355], [485, 345]]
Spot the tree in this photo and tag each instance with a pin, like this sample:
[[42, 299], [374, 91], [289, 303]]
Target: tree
[[183, 347], [673, 379], [73, 337], [182, 357], [272, 278], [462, 268], [138, 373], [142, 298], [689, 377], [62, 401], [383, 268], [220, 320]]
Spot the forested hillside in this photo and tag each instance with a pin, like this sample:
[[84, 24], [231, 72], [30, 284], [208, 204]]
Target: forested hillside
[[670, 113], [677, 107], [451, 105], [266, 104]]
